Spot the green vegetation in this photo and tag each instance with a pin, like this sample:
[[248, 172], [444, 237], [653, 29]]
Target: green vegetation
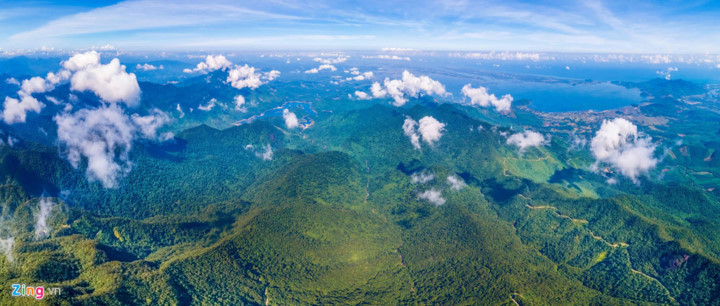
[[335, 218]]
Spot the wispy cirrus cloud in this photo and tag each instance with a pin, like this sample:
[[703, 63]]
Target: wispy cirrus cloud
[[148, 14], [588, 26]]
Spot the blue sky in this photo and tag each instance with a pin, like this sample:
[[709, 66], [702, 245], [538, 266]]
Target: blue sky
[[562, 26]]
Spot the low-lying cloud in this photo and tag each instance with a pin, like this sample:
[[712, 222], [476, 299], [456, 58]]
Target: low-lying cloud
[[409, 85], [45, 207], [211, 63], [455, 182], [110, 82], [291, 120], [433, 196], [619, 144], [421, 177], [103, 137], [527, 139], [480, 96], [428, 128], [321, 67]]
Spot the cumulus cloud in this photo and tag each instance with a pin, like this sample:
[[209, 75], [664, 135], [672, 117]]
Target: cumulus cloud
[[45, 207], [273, 74], [455, 182], [239, 76], [148, 125], [410, 129], [431, 129], [667, 73], [12, 81], [433, 196], [240, 103], [527, 139], [479, 96], [409, 85], [321, 67], [291, 120], [244, 76], [98, 135], [211, 63], [110, 82], [428, 127], [359, 76], [103, 137], [421, 177], [149, 67], [362, 95], [15, 110], [337, 60], [619, 144], [209, 106]]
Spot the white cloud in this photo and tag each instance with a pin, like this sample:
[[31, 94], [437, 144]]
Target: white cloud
[[7, 239], [421, 177], [149, 124], [362, 95], [273, 74], [244, 76], [109, 82], [179, 109], [619, 144], [211, 63], [322, 67], [81, 61], [433, 196], [393, 49], [409, 127], [527, 139], [98, 135], [12, 81], [208, 107], [503, 56], [149, 67], [409, 85], [240, 103], [577, 142], [389, 57], [429, 128], [45, 207], [360, 77], [337, 60], [267, 154], [6, 246], [291, 120], [103, 137], [15, 111], [479, 96], [455, 182], [667, 72]]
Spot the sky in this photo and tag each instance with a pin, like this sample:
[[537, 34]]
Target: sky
[[674, 26]]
